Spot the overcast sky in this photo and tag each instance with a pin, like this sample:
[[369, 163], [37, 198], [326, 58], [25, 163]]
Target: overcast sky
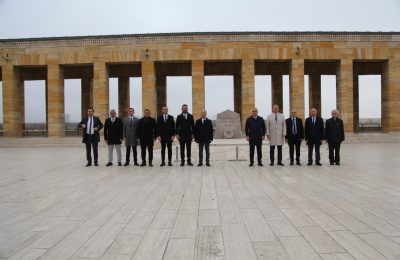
[[46, 18]]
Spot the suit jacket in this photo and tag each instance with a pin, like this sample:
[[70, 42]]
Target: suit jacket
[[334, 130], [131, 131], [165, 130], [184, 127], [147, 130], [299, 130], [203, 132], [314, 133], [276, 129], [96, 123], [255, 129], [113, 132]]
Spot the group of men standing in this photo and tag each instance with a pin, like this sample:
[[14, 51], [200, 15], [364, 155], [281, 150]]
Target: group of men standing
[[278, 130], [144, 132]]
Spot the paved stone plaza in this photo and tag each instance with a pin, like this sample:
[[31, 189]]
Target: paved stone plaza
[[52, 207]]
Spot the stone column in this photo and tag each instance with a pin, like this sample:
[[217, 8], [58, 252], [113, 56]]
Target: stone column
[[101, 90], [237, 93], [198, 88], [149, 87], [277, 90], [55, 100], [13, 101], [247, 89], [346, 95], [391, 96], [161, 87], [296, 87], [123, 96], [87, 94], [314, 92]]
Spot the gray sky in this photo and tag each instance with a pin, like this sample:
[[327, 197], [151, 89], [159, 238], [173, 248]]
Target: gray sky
[[46, 18]]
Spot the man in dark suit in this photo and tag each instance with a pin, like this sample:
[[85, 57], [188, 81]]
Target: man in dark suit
[[166, 134], [334, 135], [294, 136], [185, 133], [255, 134], [147, 132], [314, 135], [113, 135], [204, 136], [91, 125]]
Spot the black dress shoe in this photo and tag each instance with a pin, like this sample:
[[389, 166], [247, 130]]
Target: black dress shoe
[[331, 163], [88, 164], [119, 164], [260, 164], [109, 164], [136, 164], [208, 164], [162, 164], [298, 163], [200, 164], [291, 163], [251, 164], [338, 163], [309, 164], [169, 164], [190, 163], [182, 164], [126, 164], [280, 164], [142, 164], [151, 164], [271, 164], [96, 164], [318, 163]]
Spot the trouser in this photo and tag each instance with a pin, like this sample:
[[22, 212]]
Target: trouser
[[272, 153], [334, 152], [292, 146], [164, 144], [188, 145], [91, 142], [207, 148], [143, 152], [128, 153], [259, 152], [310, 152], [110, 152]]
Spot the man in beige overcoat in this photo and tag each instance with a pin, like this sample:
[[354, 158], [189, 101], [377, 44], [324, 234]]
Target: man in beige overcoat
[[276, 132]]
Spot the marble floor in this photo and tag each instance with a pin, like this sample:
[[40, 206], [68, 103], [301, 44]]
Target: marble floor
[[52, 207]]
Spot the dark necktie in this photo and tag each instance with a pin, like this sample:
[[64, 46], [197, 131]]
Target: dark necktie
[[90, 125], [130, 121], [165, 119], [276, 118], [294, 128]]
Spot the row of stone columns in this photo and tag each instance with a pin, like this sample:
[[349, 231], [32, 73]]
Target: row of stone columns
[[95, 92]]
